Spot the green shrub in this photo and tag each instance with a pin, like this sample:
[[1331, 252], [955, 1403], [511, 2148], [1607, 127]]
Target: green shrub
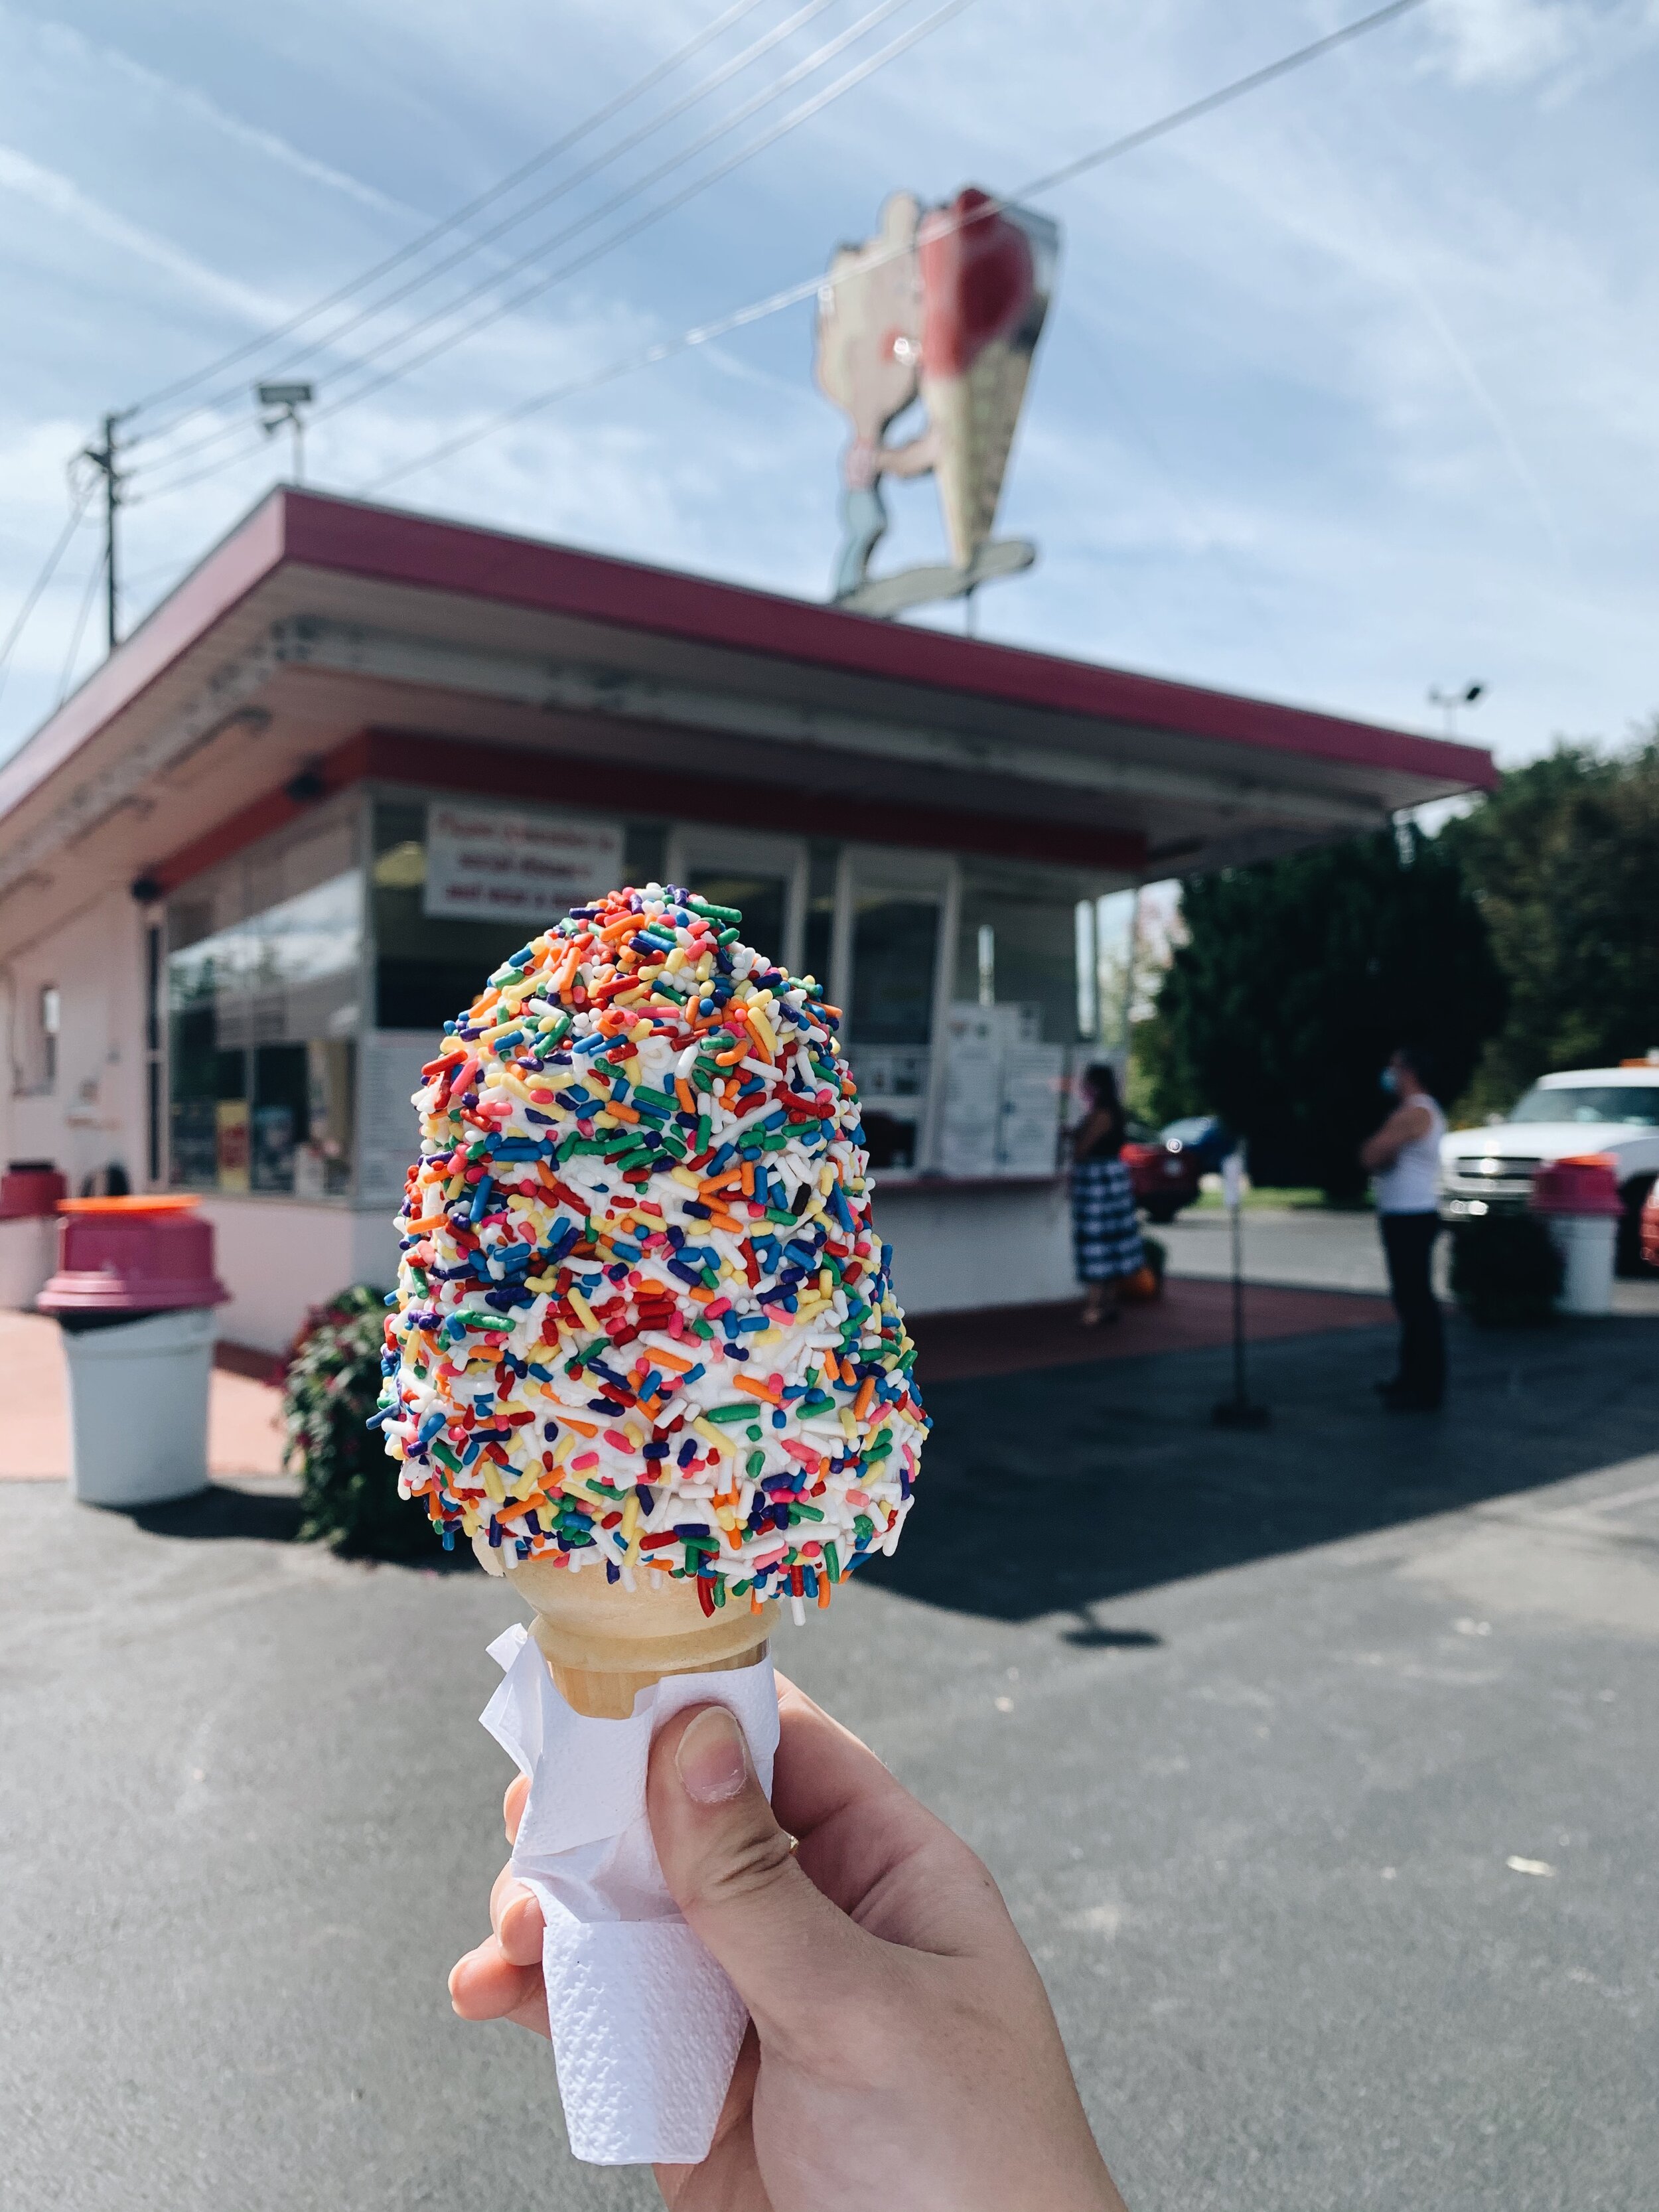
[[330, 1384], [1505, 1271]]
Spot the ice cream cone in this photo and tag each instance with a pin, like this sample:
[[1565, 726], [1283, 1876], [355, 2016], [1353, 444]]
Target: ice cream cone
[[602, 1643], [975, 413]]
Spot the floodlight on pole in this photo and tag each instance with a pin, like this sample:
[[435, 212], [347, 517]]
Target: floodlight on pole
[[1449, 701], [280, 404]]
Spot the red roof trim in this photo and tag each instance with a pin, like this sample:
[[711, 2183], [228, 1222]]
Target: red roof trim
[[506, 772], [395, 547], [213, 588], [273, 809], [390, 546]]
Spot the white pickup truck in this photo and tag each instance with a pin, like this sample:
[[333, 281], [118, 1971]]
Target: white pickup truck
[[1612, 1110]]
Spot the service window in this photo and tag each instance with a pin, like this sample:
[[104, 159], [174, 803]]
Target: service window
[[1023, 995], [893, 914], [765, 879]]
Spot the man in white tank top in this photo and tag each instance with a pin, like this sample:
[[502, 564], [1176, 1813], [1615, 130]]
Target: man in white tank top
[[1404, 1159]]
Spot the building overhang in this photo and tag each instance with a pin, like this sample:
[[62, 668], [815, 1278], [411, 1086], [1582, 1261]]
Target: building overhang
[[346, 640]]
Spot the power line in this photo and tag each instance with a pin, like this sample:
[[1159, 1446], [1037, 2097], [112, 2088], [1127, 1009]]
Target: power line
[[808, 66], [594, 122], [48, 570], [780, 128], [79, 631], [700, 91], [796, 116], [791, 294], [1228, 93]]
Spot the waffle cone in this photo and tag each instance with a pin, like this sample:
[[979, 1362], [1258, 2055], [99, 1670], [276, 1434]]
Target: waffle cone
[[604, 1644], [974, 413]]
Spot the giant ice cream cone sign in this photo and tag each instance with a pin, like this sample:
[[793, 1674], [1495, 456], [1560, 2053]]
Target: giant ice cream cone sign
[[948, 304], [985, 277]]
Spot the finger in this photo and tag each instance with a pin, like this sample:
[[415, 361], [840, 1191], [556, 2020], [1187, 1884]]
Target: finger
[[487, 1985], [515, 1914], [869, 1845], [822, 1769], [513, 1805], [728, 1865]]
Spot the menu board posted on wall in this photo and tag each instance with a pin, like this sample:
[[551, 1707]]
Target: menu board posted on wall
[[969, 1126], [1004, 1093], [388, 1128], [1033, 1094], [514, 864]]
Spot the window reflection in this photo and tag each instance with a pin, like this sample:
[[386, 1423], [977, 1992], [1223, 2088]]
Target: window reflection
[[427, 966], [1017, 946], [761, 896], [262, 968], [890, 1018]]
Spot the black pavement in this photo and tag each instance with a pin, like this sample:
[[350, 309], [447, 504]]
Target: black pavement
[[1316, 1767]]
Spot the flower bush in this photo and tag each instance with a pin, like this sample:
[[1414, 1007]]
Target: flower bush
[[330, 1384]]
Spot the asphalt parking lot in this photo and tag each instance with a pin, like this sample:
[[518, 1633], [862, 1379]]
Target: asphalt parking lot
[[1316, 1767]]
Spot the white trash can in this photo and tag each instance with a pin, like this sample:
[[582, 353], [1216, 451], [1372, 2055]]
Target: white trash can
[[134, 1293], [138, 1407], [1577, 1200], [1586, 1243]]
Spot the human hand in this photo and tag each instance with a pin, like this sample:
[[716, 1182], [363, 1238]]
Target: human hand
[[901, 2049]]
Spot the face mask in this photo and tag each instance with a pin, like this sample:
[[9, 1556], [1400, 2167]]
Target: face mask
[[1390, 1081]]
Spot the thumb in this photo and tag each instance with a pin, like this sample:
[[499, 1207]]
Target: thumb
[[731, 1870]]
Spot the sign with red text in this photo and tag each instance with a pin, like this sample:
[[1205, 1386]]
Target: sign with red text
[[514, 864]]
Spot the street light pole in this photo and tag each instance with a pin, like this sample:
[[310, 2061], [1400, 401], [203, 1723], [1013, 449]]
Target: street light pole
[[1449, 701], [281, 404]]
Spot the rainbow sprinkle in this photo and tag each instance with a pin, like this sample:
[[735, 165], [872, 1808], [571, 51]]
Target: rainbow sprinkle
[[642, 1316]]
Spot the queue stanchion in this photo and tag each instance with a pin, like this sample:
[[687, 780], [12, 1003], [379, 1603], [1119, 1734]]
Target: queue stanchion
[[1241, 1411]]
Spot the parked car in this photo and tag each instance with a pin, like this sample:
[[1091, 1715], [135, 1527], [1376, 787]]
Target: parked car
[[1611, 1111], [1166, 1166]]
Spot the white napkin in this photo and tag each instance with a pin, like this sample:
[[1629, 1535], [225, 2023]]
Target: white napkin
[[645, 2026]]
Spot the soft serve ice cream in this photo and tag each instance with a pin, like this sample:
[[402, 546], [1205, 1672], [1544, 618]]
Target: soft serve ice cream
[[644, 1331]]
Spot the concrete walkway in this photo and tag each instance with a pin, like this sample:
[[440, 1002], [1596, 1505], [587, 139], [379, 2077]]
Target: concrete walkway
[[34, 1443], [1192, 1316]]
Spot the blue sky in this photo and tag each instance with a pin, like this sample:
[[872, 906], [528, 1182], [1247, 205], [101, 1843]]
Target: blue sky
[[1348, 391]]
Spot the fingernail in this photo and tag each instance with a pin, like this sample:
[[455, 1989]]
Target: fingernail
[[710, 1757]]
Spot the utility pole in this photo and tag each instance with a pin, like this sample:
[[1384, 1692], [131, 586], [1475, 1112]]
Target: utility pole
[[103, 458]]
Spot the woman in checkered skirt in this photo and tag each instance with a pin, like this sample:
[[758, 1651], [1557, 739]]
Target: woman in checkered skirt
[[1105, 1228]]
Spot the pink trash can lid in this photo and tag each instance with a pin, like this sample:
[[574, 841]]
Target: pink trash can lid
[[30, 1188], [148, 1254], [1582, 1183]]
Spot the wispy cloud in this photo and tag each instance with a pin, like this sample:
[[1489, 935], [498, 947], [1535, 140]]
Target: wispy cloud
[[1505, 42], [73, 48], [57, 195]]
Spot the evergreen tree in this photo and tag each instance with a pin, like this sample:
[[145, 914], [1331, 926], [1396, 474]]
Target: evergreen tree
[[1564, 858], [1297, 979]]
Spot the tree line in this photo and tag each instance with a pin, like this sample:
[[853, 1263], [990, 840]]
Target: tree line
[[1523, 937]]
